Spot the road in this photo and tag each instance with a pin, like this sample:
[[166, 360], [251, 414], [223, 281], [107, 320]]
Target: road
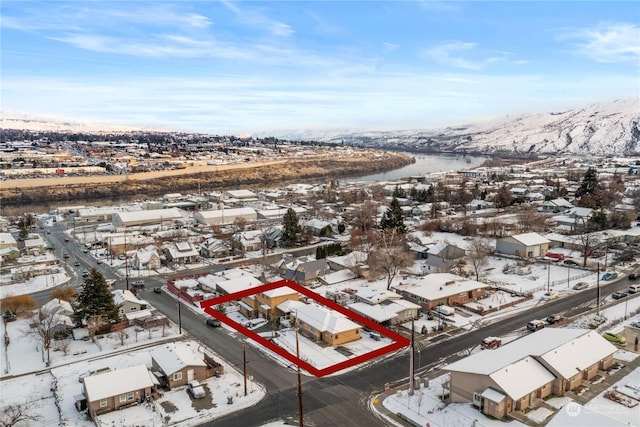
[[341, 399]]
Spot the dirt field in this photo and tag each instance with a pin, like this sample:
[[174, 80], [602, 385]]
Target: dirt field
[[142, 176]]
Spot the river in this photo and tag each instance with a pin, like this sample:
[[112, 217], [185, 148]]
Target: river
[[425, 163]]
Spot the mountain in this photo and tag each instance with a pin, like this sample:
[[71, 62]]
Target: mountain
[[34, 123], [611, 128]]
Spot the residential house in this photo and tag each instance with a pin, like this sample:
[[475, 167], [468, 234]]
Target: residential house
[[215, 248], [478, 205], [118, 389], [146, 258], [556, 205], [517, 376], [268, 301], [127, 302], [63, 323], [181, 252], [441, 289], [355, 261], [319, 227], [442, 256], [271, 236], [249, 241], [526, 245], [303, 273], [175, 364], [375, 312], [320, 324], [34, 244]]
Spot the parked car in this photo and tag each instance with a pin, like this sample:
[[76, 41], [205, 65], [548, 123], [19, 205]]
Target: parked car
[[633, 289], [196, 389], [375, 335], [635, 325], [157, 289], [634, 276], [554, 256], [580, 285], [213, 322], [491, 343], [554, 319], [548, 296], [615, 338], [534, 325], [570, 262], [618, 295], [609, 276]]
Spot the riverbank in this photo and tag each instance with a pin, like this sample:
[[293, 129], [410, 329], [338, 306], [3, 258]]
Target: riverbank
[[19, 194]]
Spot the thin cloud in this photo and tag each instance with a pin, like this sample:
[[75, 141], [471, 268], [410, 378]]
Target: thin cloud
[[255, 17], [448, 54], [608, 42]]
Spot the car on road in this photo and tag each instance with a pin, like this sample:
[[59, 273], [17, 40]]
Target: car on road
[[618, 295], [491, 343], [213, 322], [548, 296], [614, 337], [157, 290], [85, 274], [196, 390], [580, 285], [554, 319], [570, 262], [535, 324], [66, 239], [65, 255], [138, 284], [635, 325], [609, 276], [76, 264]]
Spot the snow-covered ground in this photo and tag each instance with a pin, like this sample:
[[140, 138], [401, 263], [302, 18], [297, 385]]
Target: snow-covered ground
[[50, 394]]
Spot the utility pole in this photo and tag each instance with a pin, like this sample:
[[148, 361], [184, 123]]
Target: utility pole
[[179, 313], [549, 276], [244, 362], [126, 260], [411, 355], [299, 378], [568, 275], [598, 290]]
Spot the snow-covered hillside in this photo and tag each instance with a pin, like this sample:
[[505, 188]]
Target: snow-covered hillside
[[33, 123], [601, 129]]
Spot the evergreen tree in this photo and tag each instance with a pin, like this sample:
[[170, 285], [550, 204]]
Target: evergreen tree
[[589, 183], [95, 299], [393, 218], [290, 229]]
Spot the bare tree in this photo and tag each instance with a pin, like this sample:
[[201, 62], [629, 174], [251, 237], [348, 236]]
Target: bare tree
[[64, 345], [587, 239], [42, 326], [478, 252], [390, 256], [364, 217], [362, 241], [12, 415], [529, 219]]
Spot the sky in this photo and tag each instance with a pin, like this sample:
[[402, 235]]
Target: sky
[[239, 67]]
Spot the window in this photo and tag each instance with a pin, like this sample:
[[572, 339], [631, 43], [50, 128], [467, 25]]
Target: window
[[103, 403], [123, 398], [130, 395], [177, 376]]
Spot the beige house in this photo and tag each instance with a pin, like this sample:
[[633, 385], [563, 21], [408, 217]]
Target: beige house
[[176, 364], [117, 389], [519, 375], [127, 302], [267, 302], [320, 324], [526, 245]]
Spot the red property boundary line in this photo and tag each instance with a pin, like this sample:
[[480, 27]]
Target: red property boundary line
[[399, 340]]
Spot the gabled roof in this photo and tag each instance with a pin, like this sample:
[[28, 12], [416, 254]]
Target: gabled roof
[[122, 295], [323, 320], [521, 377], [114, 383], [378, 313], [174, 357]]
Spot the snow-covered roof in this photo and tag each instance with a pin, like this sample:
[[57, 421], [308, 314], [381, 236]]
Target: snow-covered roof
[[493, 395], [350, 260], [434, 286], [520, 378], [238, 284], [173, 357], [278, 292], [375, 295], [531, 239], [122, 295], [322, 319], [7, 239], [398, 305], [241, 194], [65, 306], [573, 356], [114, 383], [378, 313], [563, 349], [148, 215], [290, 305], [338, 277]]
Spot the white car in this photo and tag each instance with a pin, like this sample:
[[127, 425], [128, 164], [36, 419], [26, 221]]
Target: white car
[[196, 389], [548, 296]]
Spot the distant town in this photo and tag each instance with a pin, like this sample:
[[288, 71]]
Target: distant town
[[514, 282]]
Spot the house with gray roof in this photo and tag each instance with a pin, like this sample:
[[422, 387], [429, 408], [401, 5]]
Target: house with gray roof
[[526, 245]]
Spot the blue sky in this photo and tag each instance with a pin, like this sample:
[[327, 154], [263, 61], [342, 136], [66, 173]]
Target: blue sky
[[253, 66]]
